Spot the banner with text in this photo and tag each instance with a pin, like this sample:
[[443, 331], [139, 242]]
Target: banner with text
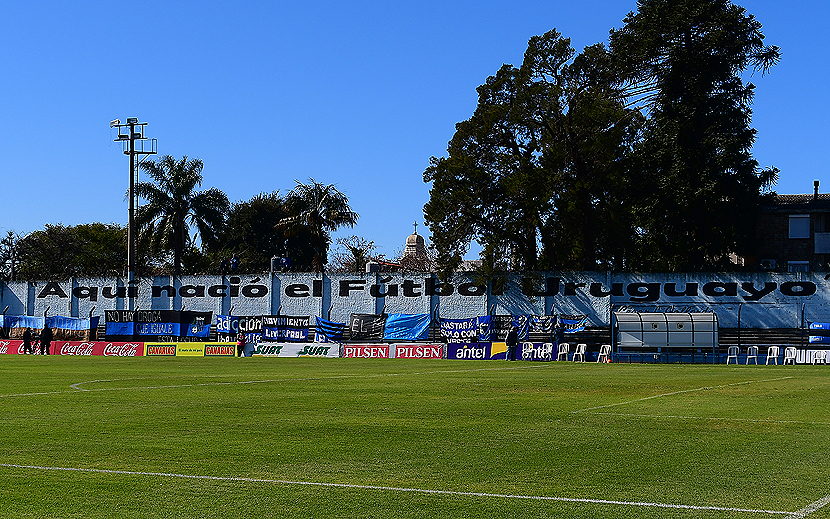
[[477, 351], [285, 328], [296, 349]]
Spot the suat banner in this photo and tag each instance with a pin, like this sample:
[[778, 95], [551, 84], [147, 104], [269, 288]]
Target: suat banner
[[85, 348], [419, 351], [477, 350], [296, 349], [366, 351]]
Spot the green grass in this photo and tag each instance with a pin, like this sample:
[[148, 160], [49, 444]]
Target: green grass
[[729, 437]]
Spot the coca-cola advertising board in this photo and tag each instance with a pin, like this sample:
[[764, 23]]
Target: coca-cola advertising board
[[106, 349], [10, 347]]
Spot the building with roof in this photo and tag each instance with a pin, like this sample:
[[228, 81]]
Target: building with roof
[[794, 233]]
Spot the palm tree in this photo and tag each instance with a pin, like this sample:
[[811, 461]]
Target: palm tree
[[319, 209], [173, 206]]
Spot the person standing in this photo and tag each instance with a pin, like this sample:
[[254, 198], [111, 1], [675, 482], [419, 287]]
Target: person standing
[[558, 334], [512, 341], [45, 340], [240, 344], [27, 342]]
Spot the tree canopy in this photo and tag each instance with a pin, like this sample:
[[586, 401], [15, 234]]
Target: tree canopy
[[61, 252], [635, 156], [174, 205], [316, 210]]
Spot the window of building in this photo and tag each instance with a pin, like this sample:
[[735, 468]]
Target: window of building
[[799, 226], [798, 266]]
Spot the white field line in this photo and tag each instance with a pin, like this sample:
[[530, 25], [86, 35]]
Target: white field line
[[809, 509], [712, 418], [673, 393], [75, 388], [403, 489]]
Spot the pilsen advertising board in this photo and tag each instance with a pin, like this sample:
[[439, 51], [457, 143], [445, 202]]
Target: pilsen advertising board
[[106, 349], [393, 351]]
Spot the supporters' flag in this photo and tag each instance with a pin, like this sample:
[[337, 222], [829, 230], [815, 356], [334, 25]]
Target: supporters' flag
[[407, 327], [522, 323], [366, 326], [485, 329], [460, 330], [542, 323], [820, 337], [285, 328], [227, 324], [328, 331], [573, 323], [500, 326]]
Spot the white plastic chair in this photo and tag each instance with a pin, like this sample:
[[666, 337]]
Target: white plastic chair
[[820, 357], [772, 354], [789, 355], [752, 353], [604, 352], [580, 352], [527, 351], [732, 353], [564, 349], [547, 351]]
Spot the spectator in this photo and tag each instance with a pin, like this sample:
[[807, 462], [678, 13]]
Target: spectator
[[27, 341], [45, 340], [512, 341], [240, 344]]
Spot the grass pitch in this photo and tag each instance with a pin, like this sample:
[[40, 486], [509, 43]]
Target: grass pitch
[[312, 438]]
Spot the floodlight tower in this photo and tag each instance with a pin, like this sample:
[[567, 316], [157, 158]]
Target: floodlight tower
[[128, 134]]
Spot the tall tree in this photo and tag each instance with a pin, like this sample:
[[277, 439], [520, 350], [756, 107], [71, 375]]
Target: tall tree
[[318, 210], [700, 188], [8, 256], [539, 165], [173, 205]]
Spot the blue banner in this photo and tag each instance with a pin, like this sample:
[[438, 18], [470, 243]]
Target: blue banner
[[573, 323], [285, 328], [407, 327], [822, 338], [228, 324], [119, 328], [158, 329], [328, 331], [473, 329]]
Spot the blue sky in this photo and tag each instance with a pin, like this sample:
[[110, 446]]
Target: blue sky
[[357, 94]]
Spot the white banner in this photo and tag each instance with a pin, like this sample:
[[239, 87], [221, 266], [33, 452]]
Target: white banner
[[296, 349]]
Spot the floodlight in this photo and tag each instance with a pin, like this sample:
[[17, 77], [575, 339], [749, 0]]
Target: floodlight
[[115, 122]]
